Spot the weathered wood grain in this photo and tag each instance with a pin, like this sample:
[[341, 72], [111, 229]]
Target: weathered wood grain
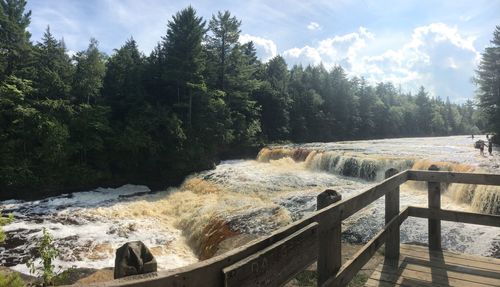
[[276, 264], [351, 267], [329, 249], [454, 177], [456, 216]]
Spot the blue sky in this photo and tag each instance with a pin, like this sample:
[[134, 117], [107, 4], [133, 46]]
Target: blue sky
[[410, 43]]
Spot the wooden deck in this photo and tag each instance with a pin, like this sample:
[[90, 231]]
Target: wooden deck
[[419, 267]]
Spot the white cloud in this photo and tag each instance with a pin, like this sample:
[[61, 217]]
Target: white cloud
[[332, 51], [313, 26], [306, 55], [268, 47], [430, 51]]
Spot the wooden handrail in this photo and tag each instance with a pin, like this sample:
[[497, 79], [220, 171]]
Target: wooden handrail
[[455, 216], [351, 267], [454, 177], [210, 272]]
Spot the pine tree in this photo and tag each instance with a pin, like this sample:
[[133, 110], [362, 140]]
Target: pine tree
[[54, 69], [89, 74], [225, 32], [15, 46], [274, 99], [123, 88], [184, 61], [488, 79]]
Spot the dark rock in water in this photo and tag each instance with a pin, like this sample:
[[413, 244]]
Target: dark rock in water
[[327, 197], [298, 205], [14, 243], [134, 258]]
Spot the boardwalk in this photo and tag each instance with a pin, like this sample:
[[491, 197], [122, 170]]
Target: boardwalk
[[275, 259], [419, 267]]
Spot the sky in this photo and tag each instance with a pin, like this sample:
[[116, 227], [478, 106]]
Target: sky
[[437, 44]]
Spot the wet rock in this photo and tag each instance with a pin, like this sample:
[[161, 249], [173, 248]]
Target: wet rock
[[15, 244], [299, 205], [122, 230], [213, 234], [133, 258], [259, 221]]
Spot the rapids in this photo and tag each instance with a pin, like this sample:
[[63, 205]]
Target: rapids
[[240, 200]]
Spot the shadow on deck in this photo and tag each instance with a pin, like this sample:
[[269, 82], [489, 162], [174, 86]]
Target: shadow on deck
[[418, 266]]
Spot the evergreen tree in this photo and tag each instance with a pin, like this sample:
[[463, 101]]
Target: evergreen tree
[[488, 79], [123, 88], [225, 32], [54, 69], [89, 74], [424, 112], [184, 61], [273, 97], [15, 44]]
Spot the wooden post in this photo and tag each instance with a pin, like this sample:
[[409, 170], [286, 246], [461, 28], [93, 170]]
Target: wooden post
[[329, 248], [434, 199], [392, 210]]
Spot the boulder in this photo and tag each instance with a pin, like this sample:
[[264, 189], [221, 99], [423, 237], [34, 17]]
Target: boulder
[[133, 258]]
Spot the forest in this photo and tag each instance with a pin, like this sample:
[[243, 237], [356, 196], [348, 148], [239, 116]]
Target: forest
[[70, 123]]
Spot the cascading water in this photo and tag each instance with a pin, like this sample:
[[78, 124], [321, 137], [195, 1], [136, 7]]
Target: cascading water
[[239, 201]]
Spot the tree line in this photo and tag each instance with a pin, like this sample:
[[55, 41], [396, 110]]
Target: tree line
[[92, 119], [488, 82]]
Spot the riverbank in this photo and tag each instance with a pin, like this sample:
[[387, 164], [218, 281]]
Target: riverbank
[[154, 181]]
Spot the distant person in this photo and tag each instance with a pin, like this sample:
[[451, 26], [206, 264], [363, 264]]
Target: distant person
[[490, 146], [472, 136], [481, 148]]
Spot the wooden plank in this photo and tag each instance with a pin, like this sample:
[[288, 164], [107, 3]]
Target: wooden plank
[[455, 177], [376, 283], [329, 248], [351, 267], [392, 210], [414, 283], [276, 264], [436, 280], [491, 267], [456, 216], [434, 200], [452, 271], [449, 253]]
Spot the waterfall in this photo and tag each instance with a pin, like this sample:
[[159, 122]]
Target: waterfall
[[341, 163], [372, 167]]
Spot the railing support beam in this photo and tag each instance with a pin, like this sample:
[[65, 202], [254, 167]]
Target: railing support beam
[[434, 200], [391, 211], [330, 230]]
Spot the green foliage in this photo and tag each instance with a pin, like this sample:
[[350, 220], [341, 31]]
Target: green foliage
[[14, 38], [54, 69], [47, 252], [89, 73], [69, 124], [11, 280], [4, 221], [488, 80]]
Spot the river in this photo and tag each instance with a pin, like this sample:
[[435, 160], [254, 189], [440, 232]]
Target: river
[[240, 200]]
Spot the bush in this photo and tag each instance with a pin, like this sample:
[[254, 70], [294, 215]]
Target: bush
[[48, 252], [11, 280]]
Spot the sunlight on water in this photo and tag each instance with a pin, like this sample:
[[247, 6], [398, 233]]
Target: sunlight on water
[[242, 200]]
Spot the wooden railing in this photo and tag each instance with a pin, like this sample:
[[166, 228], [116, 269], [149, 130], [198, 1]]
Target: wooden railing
[[277, 258]]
